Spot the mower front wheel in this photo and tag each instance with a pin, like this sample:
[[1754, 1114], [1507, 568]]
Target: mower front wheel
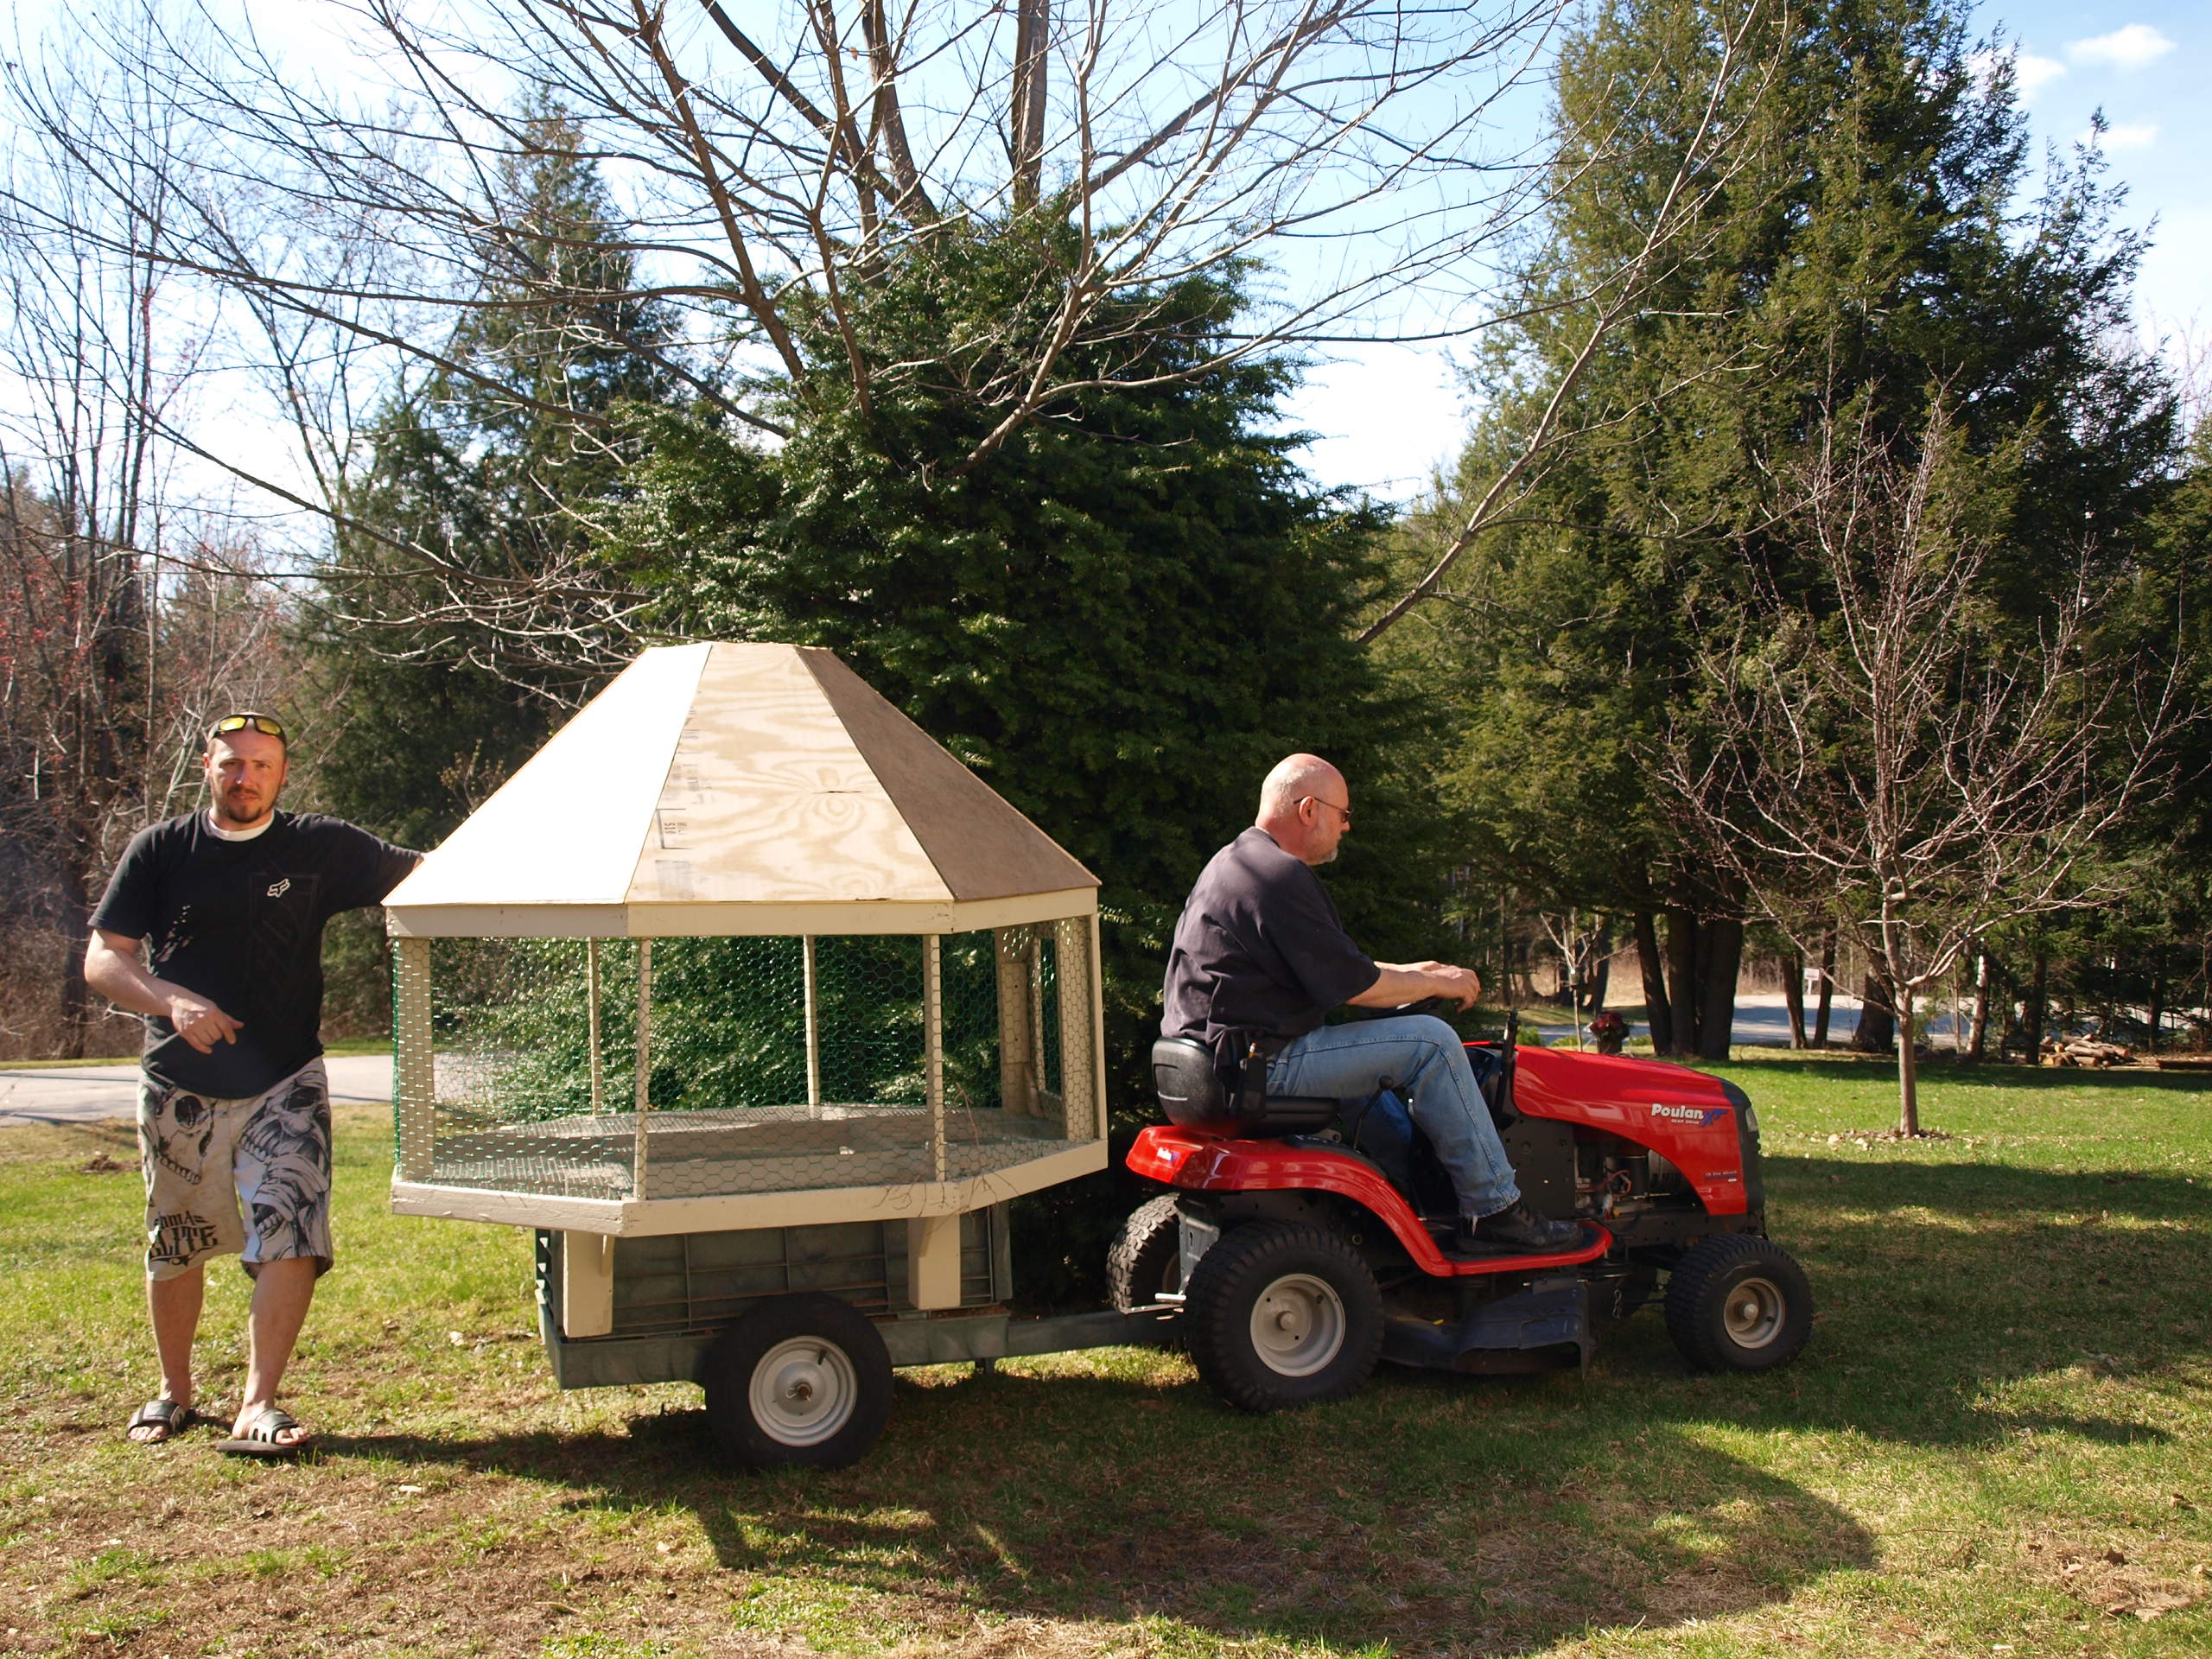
[[1278, 1315], [1737, 1303]]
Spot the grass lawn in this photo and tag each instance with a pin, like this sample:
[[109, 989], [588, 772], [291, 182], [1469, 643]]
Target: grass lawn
[[1996, 1443]]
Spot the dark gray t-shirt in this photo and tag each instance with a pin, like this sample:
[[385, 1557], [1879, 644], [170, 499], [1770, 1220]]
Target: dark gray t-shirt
[[1260, 951]]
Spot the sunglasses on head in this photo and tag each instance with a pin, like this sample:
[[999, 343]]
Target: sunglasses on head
[[268, 725]]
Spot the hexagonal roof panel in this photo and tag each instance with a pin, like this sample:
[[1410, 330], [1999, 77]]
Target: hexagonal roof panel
[[723, 788]]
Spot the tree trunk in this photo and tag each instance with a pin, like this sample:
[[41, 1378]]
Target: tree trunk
[[1682, 980], [1600, 981], [1908, 1071], [1032, 32], [1793, 996], [2032, 1008], [1657, 1012], [1827, 988], [1876, 1022], [2157, 1004], [75, 922], [1719, 959], [1978, 1032]]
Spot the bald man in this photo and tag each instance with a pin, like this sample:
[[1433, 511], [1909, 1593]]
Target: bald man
[[1261, 956]]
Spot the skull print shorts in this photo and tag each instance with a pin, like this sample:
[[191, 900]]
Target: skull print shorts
[[246, 1178]]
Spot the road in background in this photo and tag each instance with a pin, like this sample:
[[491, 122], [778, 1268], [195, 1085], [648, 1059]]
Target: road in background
[[88, 1094]]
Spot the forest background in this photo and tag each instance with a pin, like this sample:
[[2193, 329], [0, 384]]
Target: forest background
[[958, 340]]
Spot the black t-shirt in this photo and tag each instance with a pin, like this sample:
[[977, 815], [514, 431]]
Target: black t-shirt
[[240, 923], [1260, 951]]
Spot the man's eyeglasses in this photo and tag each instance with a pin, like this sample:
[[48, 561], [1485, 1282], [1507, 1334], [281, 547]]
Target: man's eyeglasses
[[268, 725], [1344, 810]]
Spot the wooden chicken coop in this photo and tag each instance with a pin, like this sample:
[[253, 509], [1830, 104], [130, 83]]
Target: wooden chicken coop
[[743, 985]]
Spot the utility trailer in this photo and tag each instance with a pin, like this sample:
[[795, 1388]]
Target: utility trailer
[[758, 1007]]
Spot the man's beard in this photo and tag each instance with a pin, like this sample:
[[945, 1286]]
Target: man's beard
[[232, 809]]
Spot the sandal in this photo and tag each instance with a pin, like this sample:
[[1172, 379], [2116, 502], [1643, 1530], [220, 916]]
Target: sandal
[[256, 1438], [171, 1417]]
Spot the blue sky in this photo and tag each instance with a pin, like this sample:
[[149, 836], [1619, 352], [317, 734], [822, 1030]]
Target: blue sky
[[1388, 419]]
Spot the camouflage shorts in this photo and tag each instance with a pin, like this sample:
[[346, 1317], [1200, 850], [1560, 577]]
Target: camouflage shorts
[[205, 1158]]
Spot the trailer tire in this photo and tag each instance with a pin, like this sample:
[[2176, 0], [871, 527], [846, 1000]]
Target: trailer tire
[[801, 1380], [1739, 1303], [1278, 1315], [1145, 1265]]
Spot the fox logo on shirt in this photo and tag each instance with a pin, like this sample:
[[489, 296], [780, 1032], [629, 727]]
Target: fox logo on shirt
[[278, 889]]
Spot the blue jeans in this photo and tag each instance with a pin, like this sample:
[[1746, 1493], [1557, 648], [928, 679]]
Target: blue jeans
[[1429, 1062]]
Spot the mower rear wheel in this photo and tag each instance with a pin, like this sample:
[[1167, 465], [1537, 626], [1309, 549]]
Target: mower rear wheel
[[1278, 1315], [1145, 1265], [1737, 1303]]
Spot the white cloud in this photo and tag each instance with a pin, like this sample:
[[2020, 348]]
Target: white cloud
[[2136, 135], [2132, 47], [2030, 72]]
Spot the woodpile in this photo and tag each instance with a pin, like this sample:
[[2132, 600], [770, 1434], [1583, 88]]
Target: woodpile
[[2085, 1050]]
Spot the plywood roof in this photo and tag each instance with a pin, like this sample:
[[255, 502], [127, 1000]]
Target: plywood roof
[[724, 788]]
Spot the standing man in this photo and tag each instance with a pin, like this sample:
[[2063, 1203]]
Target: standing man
[[228, 906], [1261, 956]]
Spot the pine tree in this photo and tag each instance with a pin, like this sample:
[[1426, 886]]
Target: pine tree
[[1866, 251], [502, 463], [1121, 619]]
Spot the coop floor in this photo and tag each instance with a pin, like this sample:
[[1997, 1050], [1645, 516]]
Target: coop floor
[[727, 1152]]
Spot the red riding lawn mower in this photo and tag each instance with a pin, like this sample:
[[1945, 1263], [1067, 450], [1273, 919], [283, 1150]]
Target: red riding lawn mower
[[1304, 1240]]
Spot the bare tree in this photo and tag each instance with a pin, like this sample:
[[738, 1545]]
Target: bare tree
[[1341, 154], [128, 610], [1878, 752]]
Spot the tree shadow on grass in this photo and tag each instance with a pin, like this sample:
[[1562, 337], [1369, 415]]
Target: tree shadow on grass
[[1961, 1306], [1439, 1517]]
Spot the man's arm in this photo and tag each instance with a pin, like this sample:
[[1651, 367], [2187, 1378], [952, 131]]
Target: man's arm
[[1400, 983], [112, 969]]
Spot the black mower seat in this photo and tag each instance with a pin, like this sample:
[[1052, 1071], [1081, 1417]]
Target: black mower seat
[[1190, 1094]]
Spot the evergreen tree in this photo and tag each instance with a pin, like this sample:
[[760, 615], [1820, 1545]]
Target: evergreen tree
[[498, 464], [1866, 251], [1120, 619]]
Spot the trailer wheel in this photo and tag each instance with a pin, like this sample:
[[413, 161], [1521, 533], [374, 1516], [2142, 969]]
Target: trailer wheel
[[803, 1379], [1278, 1316], [1737, 1303], [1145, 1265]]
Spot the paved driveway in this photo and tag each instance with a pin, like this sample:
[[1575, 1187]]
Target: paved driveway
[[86, 1094]]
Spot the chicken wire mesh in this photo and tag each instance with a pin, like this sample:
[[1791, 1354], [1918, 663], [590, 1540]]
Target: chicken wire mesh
[[703, 1067]]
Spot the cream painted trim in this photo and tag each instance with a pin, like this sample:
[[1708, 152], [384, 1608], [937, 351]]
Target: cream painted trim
[[933, 1261], [657, 1218], [730, 921], [587, 1285]]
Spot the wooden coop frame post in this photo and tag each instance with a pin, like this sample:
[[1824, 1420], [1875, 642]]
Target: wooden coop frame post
[[933, 1261], [415, 1060], [591, 1013], [813, 1032], [1082, 1082], [1012, 951], [933, 1046], [587, 1285], [645, 1063]]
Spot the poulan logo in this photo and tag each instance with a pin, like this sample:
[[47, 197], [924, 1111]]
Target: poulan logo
[[278, 889], [1703, 1116]]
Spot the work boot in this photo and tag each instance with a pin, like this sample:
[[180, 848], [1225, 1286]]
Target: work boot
[[1518, 1228]]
